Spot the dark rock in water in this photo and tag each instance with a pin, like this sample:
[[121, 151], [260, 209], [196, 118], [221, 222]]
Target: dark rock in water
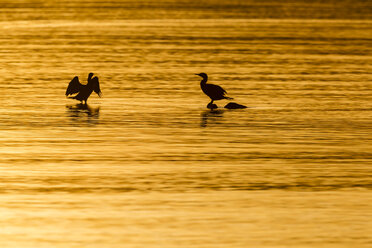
[[233, 105], [212, 106]]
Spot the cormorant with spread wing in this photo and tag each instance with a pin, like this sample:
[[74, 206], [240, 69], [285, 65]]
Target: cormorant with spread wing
[[83, 91], [215, 92]]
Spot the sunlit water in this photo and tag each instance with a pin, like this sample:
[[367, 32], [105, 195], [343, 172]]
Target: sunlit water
[[148, 165]]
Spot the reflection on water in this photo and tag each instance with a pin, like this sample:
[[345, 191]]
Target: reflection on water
[[148, 165], [210, 116], [80, 109], [83, 112]]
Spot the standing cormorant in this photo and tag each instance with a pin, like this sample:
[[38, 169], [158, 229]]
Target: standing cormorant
[[214, 92], [83, 91]]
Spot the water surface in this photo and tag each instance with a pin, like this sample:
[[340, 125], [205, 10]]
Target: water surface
[[148, 165]]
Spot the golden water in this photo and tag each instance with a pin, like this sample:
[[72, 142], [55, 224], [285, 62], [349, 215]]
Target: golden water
[[148, 165]]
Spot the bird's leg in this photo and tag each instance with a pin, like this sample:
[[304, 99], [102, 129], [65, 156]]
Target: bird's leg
[[211, 105]]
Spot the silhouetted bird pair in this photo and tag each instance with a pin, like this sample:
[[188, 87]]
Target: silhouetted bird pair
[[214, 92]]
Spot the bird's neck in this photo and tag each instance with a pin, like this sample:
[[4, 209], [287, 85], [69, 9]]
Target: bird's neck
[[204, 81], [89, 80]]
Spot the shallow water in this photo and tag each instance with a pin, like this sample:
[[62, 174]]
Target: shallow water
[[148, 165]]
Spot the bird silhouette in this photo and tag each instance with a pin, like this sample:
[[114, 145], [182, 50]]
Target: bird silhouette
[[83, 91], [215, 92]]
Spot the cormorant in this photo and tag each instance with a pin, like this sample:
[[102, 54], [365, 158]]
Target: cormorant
[[83, 91], [214, 92]]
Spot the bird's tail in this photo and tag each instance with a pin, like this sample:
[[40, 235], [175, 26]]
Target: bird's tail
[[229, 98]]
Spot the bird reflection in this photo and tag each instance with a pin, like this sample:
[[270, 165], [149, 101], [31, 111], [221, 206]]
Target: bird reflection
[[210, 115], [80, 110]]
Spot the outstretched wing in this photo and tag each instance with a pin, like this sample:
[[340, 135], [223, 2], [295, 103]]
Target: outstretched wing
[[74, 86], [96, 87]]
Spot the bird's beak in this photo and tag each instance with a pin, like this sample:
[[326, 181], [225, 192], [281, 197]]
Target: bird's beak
[[197, 74]]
